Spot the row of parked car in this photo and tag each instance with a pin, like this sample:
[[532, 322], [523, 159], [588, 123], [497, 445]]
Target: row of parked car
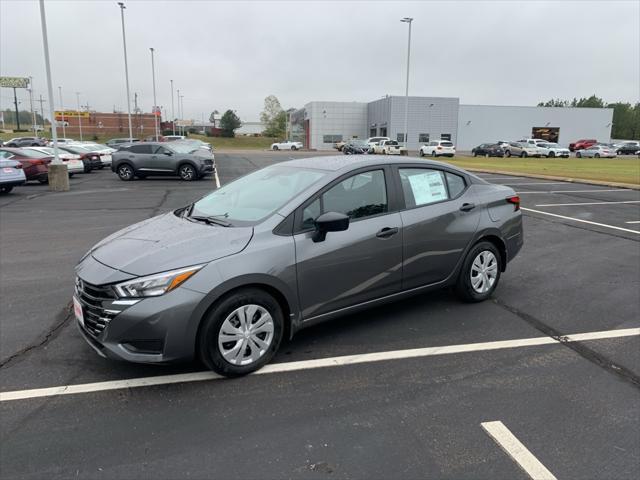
[[537, 147]]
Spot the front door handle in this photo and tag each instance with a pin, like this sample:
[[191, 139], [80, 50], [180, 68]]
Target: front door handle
[[467, 207], [387, 232]]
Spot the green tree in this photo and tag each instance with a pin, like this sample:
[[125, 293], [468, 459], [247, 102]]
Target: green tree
[[274, 118], [212, 117], [229, 123]]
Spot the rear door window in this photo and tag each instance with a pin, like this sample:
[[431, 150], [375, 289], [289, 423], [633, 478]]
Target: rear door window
[[141, 149], [422, 186]]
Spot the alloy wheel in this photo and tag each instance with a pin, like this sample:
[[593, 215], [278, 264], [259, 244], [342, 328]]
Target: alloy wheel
[[187, 172], [484, 271], [246, 334]]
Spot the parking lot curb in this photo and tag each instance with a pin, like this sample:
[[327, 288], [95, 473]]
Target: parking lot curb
[[632, 186]]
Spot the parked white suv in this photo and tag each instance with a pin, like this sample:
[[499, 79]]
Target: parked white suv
[[373, 141], [438, 148]]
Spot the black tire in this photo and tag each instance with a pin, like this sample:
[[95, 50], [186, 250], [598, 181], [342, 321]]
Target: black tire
[[619, 152], [125, 172], [208, 348], [422, 153], [275, 147], [187, 173], [523, 155], [508, 153], [293, 147], [464, 290], [578, 155], [6, 189], [71, 175], [474, 153], [597, 155], [100, 167], [552, 154]]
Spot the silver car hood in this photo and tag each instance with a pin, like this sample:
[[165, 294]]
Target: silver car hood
[[168, 242]]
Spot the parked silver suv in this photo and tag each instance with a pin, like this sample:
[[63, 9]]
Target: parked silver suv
[[143, 159], [228, 277]]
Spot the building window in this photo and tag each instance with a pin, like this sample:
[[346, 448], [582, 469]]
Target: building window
[[331, 138], [423, 138], [383, 131], [445, 136], [401, 137], [372, 132]]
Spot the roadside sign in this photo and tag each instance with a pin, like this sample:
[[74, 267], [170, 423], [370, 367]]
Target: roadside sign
[[70, 114], [14, 82]]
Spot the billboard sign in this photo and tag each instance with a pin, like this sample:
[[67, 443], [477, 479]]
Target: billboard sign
[[60, 115], [14, 82]]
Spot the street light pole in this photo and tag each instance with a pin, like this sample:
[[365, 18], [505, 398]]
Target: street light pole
[[406, 93], [79, 118], [64, 131], [153, 75], [182, 110], [179, 109], [57, 172], [173, 115], [126, 68]]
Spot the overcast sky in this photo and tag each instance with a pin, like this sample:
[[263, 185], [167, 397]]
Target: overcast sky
[[231, 54]]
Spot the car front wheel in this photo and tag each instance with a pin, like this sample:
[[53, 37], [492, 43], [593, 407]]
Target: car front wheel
[[6, 189], [242, 333], [422, 153], [508, 153], [578, 155], [187, 173], [125, 172], [480, 273], [293, 147], [275, 147]]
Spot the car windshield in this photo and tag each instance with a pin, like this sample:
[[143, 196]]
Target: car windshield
[[182, 147], [24, 152], [257, 195], [446, 144]]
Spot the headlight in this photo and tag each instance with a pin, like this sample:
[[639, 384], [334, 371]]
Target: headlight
[[155, 285]]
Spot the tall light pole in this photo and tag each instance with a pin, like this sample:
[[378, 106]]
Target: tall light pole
[[64, 131], [79, 118], [173, 115], [181, 99], [406, 93], [153, 76], [57, 174], [126, 68], [179, 109]]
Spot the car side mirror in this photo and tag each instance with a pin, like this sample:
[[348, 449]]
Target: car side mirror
[[329, 222]]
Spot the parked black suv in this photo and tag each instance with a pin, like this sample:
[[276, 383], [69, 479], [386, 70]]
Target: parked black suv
[[488, 149], [153, 158]]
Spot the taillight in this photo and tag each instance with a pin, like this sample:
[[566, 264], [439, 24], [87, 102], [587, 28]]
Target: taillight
[[515, 201], [18, 166]]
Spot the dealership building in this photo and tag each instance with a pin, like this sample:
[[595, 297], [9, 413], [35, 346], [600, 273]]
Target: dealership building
[[320, 124]]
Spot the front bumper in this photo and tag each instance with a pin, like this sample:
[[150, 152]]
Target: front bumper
[[151, 330]]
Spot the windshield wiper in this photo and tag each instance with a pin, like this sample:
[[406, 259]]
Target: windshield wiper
[[212, 219]]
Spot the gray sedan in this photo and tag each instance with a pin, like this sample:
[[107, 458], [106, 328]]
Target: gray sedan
[[230, 276]]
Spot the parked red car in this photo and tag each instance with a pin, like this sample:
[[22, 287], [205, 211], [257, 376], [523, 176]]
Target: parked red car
[[35, 164], [582, 144]]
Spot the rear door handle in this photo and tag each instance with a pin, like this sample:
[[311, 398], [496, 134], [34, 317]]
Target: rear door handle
[[467, 207], [387, 232]]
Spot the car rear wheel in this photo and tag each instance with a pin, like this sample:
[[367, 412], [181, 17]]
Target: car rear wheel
[[523, 155], [125, 172], [508, 153], [6, 189], [187, 173], [422, 153], [293, 147], [597, 155], [480, 273], [242, 333], [275, 147], [578, 155], [474, 153], [552, 154]]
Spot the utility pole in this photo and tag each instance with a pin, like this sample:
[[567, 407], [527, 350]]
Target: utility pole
[[153, 75], [42, 100], [64, 131], [408, 20], [33, 115], [15, 102], [126, 67], [173, 115], [79, 118], [179, 109]]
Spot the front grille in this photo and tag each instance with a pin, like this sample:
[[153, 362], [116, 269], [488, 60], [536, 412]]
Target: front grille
[[92, 298]]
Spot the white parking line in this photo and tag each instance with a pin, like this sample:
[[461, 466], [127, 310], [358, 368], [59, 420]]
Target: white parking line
[[217, 178], [584, 203], [517, 451], [580, 220], [317, 363], [536, 183], [581, 191], [635, 221]]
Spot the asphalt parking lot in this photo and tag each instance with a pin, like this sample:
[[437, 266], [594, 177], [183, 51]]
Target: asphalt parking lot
[[575, 405]]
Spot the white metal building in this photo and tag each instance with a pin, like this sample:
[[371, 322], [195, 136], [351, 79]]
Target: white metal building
[[320, 124]]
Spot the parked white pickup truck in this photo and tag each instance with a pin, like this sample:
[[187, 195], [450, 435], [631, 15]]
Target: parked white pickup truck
[[389, 147]]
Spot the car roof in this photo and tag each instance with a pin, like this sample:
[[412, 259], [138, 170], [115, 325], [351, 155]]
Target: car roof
[[339, 163]]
